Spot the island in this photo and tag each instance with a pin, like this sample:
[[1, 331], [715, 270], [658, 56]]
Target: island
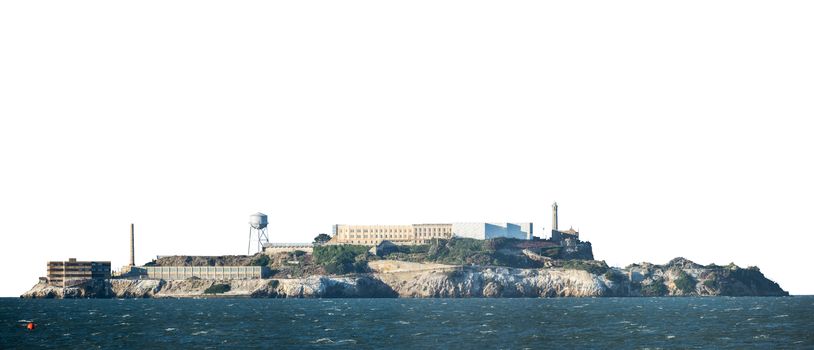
[[442, 268]]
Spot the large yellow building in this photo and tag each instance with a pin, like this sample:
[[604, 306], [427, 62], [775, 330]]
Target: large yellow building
[[398, 234], [424, 233]]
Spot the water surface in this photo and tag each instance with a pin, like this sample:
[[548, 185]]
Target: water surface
[[701, 322]]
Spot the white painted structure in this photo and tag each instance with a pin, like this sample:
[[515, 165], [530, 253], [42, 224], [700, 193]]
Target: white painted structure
[[258, 221], [272, 248], [490, 230]]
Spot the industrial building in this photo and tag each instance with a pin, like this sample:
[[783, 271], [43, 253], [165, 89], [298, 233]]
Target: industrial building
[[423, 233], [71, 272]]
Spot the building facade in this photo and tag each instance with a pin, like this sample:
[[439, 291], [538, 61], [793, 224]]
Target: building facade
[[489, 230], [372, 235], [204, 272], [66, 273]]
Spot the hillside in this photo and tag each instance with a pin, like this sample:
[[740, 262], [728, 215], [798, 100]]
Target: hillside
[[391, 278]]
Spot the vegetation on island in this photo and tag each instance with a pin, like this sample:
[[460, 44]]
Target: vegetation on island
[[218, 289], [656, 288], [322, 238], [466, 251], [261, 260], [342, 259], [592, 266], [679, 276], [684, 282]]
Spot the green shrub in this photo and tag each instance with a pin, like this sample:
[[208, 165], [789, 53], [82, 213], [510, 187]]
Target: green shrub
[[461, 251], [684, 282], [521, 261], [552, 252], [218, 289], [655, 289], [594, 267], [614, 276], [342, 259], [413, 249], [262, 260], [711, 283], [328, 253], [274, 283], [752, 278]]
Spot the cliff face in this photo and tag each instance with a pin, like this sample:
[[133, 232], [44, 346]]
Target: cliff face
[[680, 277]]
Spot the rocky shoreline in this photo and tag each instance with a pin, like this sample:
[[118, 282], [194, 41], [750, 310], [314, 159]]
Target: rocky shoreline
[[680, 277]]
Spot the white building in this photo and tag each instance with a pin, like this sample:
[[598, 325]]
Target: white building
[[490, 230]]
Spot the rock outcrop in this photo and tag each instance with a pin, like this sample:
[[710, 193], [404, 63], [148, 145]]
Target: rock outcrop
[[390, 279]]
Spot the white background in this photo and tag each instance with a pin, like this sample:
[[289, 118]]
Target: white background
[[663, 129]]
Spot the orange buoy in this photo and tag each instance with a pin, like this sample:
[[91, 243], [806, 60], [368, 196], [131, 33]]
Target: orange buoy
[[31, 326]]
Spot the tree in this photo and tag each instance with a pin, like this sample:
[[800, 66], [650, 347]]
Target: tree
[[322, 238]]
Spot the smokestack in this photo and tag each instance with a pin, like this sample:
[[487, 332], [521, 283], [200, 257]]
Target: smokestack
[[132, 244], [554, 222]]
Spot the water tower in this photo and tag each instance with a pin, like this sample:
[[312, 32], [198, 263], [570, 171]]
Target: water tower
[[258, 227]]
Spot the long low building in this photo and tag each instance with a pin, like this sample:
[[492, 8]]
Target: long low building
[[204, 272], [272, 248], [424, 233]]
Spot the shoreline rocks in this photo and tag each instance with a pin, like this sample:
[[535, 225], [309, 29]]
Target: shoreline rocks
[[677, 278]]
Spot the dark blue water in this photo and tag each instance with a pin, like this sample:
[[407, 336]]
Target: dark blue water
[[411, 323]]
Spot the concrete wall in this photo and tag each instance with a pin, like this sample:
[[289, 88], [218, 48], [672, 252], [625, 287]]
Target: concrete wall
[[476, 230], [205, 272]]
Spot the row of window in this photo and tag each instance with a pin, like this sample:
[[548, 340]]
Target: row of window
[[213, 269], [378, 230], [380, 236]]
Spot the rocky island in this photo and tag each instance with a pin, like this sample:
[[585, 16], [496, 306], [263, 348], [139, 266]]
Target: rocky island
[[445, 268]]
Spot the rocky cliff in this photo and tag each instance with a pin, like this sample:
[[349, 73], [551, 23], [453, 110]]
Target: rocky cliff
[[389, 279]]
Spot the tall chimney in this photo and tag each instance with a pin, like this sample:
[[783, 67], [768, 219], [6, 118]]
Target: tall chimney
[[132, 248], [554, 217]]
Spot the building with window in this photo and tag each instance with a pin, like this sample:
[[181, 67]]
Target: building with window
[[372, 235], [71, 272]]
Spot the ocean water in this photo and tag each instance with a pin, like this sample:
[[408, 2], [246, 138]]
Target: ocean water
[[717, 323]]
